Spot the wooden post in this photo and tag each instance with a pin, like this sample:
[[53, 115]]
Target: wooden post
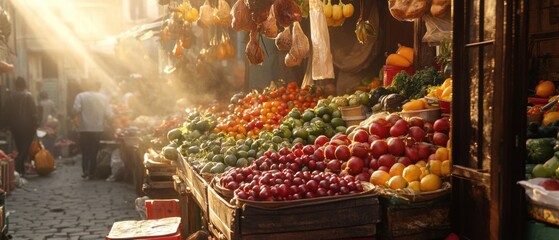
[[424, 55]]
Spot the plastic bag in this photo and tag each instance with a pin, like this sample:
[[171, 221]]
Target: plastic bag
[[438, 29], [117, 166], [241, 17], [222, 15], [322, 63], [140, 203], [287, 12], [254, 52], [44, 162], [299, 42], [408, 10], [205, 20], [283, 40], [269, 27]]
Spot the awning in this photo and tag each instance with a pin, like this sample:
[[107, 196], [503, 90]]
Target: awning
[[142, 32]]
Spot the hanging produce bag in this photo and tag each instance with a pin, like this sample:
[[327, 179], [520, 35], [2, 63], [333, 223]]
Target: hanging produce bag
[[438, 29], [322, 64]]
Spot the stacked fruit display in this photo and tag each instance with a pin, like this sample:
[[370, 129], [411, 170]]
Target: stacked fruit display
[[249, 115]]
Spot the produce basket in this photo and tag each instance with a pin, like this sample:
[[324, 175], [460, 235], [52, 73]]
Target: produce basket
[[327, 218], [430, 115], [407, 196], [542, 204]]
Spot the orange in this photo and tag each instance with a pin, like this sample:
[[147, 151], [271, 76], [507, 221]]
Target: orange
[[420, 163], [415, 186], [379, 177], [441, 154], [431, 182], [411, 173], [396, 169], [397, 182], [434, 167], [545, 89], [445, 168]]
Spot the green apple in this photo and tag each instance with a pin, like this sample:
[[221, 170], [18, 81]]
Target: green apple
[[540, 171]]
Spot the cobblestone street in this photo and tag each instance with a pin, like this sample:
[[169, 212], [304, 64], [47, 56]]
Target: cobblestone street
[[63, 206]]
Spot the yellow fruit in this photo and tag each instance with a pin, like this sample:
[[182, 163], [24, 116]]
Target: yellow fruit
[[337, 13], [550, 117], [442, 154], [445, 168], [447, 93], [411, 173], [379, 177], [434, 167], [405, 52], [424, 172], [413, 105], [396, 169], [397, 182], [347, 10], [328, 9], [545, 89], [397, 60], [431, 182], [447, 83], [415, 186], [421, 163]]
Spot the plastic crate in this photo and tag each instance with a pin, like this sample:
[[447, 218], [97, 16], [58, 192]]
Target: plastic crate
[[162, 208]]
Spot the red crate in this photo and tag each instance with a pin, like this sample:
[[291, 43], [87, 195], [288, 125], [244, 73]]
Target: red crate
[[162, 208]]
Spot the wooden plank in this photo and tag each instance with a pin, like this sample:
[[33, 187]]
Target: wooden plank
[[309, 208], [319, 218], [223, 216], [332, 233]]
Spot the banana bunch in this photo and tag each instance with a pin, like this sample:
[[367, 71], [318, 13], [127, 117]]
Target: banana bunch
[[364, 30]]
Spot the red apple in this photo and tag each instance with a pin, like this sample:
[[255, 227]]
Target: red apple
[[386, 160], [396, 146], [550, 184], [355, 165], [384, 168], [440, 139], [359, 149], [404, 160], [442, 125], [378, 148], [360, 136], [393, 118], [423, 150], [378, 129], [381, 121], [321, 140], [363, 176], [417, 121], [372, 138], [330, 151], [400, 128], [373, 164], [334, 165], [412, 154], [341, 139], [428, 127], [417, 133], [343, 153]]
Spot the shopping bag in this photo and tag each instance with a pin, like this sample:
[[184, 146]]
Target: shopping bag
[[35, 147], [44, 162]]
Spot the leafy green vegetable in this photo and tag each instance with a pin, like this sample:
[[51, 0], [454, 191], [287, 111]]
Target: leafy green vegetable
[[417, 85]]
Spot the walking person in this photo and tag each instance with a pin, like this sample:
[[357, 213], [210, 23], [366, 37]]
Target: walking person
[[49, 121], [23, 120], [92, 109]]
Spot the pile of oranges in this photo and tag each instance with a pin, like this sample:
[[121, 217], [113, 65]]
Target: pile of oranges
[[257, 112], [419, 177]]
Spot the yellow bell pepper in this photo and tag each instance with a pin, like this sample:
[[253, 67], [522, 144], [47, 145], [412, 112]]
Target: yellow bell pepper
[[550, 117]]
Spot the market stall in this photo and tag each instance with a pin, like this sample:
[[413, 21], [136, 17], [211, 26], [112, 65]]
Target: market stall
[[429, 147]]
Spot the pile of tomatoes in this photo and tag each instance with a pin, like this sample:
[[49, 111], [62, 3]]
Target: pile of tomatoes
[[258, 112]]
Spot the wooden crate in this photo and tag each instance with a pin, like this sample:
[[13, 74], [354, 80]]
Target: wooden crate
[[543, 212], [322, 219], [198, 187], [415, 220]]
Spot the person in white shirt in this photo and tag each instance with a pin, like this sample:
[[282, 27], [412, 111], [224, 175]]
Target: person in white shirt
[[92, 109]]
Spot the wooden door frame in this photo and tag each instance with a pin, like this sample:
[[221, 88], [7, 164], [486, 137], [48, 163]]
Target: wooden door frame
[[506, 208]]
